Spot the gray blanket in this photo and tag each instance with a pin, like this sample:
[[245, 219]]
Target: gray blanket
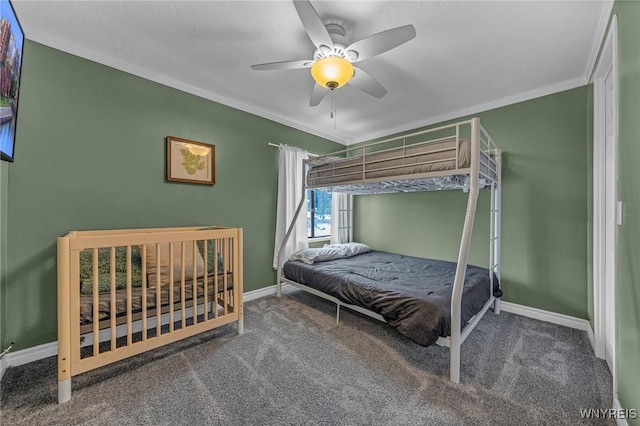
[[412, 294]]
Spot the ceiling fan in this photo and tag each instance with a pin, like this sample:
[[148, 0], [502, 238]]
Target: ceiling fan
[[332, 63]]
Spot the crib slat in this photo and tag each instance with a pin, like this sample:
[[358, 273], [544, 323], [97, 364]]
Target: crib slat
[[129, 307], [143, 255], [225, 255], [214, 302], [182, 284], [74, 292], [194, 284], [158, 290], [231, 257], [171, 298], [112, 294], [96, 305], [232, 265], [205, 284]]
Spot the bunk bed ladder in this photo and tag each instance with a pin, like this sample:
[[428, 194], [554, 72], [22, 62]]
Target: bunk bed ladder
[[342, 211]]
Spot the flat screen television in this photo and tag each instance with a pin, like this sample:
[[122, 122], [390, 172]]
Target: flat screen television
[[11, 45]]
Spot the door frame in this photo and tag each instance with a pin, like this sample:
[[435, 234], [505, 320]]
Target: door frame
[[608, 62]]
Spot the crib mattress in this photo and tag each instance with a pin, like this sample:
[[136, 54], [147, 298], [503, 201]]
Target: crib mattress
[[86, 301]]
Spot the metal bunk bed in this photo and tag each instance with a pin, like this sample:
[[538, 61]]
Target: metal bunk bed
[[446, 160]]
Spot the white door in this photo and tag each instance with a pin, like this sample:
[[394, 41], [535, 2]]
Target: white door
[[611, 204], [606, 211]]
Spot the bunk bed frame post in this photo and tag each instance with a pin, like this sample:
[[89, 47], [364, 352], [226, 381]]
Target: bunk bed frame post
[[496, 217], [290, 229], [238, 282], [492, 236], [350, 201], [461, 268]]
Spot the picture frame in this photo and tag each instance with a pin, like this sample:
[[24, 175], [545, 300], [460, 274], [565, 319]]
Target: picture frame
[[190, 161]]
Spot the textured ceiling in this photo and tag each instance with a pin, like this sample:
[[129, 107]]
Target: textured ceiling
[[467, 56]]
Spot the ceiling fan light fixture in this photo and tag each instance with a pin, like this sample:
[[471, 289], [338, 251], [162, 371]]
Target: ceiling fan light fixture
[[332, 72]]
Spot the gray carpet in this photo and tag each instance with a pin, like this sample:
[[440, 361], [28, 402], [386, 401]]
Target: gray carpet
[[295, 366]]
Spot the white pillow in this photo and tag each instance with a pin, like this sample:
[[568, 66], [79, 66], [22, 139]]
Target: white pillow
[[329, 252], [350, 249], [312, 255]]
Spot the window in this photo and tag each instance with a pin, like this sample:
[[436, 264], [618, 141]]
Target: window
[[318, 214]]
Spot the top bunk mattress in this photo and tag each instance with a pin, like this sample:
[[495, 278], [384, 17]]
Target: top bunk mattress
[[396, 162], [411, 293]]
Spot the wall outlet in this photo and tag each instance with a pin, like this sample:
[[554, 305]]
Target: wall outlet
[[619, 212]]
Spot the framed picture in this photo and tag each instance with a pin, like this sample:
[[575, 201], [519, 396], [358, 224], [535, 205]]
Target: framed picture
[[190, 161]]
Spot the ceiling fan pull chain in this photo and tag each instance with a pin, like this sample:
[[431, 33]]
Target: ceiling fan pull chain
[[333, 109]]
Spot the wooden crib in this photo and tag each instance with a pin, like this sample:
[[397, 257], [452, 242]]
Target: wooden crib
[[124, 292]]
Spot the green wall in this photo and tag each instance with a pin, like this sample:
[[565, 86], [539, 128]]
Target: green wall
[[544, 214], [90, 154], [628, 285], [4, 193]]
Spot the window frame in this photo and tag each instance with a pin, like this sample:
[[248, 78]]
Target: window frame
[[312, 220]]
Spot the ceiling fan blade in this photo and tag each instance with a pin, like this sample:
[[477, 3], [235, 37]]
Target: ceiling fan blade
[[284, 65], [369, 85], [381, 42], [313, 24], [317, 94]]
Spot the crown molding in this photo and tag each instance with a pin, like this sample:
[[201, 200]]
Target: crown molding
[[93, 55], [598, 38]]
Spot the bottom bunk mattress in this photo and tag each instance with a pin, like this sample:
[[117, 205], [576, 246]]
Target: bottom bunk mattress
[[412, 294]]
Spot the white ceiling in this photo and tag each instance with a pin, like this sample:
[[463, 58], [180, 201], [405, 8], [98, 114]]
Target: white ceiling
[[468, 56]]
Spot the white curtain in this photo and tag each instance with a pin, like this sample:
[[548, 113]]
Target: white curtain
[[339, 218], [290, 185]]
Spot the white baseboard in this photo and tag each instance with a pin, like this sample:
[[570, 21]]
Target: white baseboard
[[547, 316], [25, 356], [591, 336], [257, 294], [618, 407]]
